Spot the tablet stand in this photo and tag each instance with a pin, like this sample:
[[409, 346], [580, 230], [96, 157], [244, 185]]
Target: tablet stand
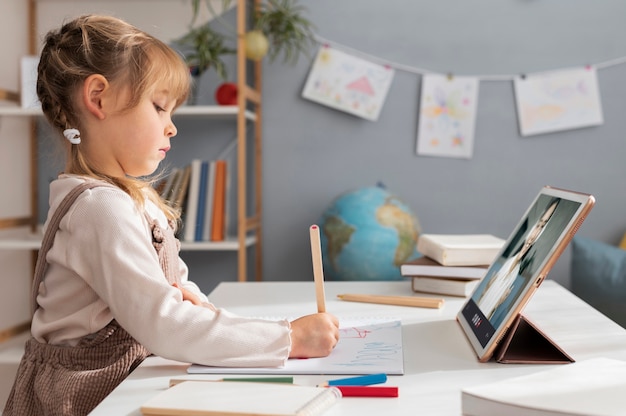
[[525, 343]]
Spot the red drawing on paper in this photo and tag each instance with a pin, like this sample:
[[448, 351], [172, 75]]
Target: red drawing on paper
[[362, 85], [354, 332]]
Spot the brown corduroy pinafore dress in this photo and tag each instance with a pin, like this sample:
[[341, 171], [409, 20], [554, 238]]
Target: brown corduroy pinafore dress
[[61, 380]]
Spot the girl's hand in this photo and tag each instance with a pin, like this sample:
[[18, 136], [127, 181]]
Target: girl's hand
[[188, 295], [314, 335]]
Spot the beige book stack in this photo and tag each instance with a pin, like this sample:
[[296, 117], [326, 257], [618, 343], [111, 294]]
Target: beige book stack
[[452, 264]]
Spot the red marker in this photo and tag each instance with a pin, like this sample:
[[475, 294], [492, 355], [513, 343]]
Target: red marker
[[368, 391]]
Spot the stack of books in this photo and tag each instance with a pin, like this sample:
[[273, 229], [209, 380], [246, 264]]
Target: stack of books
[[452, 264], [200, 191]]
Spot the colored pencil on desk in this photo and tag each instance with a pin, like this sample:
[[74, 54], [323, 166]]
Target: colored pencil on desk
[[318, 272], [368, 391], [365, 380], [287, 380], [420, 302]]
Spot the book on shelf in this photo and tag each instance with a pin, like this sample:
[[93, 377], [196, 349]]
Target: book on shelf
[[191, 214], [218, 225], [227, 197], [234, 398], [202, 199], [460, 249], [592, 387], [182, 187], [201, 191], [164, 188], [210, 195], [425, 266], [444, 286]]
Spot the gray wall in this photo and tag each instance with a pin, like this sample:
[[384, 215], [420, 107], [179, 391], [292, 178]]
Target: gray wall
[[312, 153]]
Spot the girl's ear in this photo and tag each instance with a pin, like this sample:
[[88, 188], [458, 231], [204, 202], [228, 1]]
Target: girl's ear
[[93, 91]]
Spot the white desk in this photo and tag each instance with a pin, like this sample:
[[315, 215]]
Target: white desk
[[438, 359]]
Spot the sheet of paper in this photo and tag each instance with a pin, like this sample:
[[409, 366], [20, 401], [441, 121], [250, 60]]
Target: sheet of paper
[[348, 83], [447, 116], [364, 347], [558, 100]]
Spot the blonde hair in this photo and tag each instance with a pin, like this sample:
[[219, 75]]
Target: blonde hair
[[125, 56]]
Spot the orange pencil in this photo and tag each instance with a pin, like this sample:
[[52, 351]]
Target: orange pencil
[[419, 302]]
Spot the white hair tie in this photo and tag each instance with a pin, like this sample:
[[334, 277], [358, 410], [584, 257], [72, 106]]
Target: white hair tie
[[73, 135]]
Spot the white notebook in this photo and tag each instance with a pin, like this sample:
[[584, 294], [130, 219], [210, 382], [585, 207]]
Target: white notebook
[[200, 398], [593, 387]]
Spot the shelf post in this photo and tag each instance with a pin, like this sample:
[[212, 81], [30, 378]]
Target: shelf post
[[248, 94], [242, 266], [258, 161]]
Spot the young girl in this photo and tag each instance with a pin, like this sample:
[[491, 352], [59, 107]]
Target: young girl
[[111, 288]]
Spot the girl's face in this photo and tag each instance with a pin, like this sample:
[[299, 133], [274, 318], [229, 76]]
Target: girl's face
[[140, 137]]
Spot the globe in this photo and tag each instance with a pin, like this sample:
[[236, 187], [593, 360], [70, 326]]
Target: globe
[[367, 234]]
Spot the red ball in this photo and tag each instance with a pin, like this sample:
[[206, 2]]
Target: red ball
[[226, 94]]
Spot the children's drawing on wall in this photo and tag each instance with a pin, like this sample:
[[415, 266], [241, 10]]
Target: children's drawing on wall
[[348, 83], [447, 116], [558, 100]]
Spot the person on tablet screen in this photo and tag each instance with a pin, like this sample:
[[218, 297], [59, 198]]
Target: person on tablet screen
[[499, 286]]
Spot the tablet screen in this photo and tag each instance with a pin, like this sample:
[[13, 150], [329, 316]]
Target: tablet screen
[[524, 261]]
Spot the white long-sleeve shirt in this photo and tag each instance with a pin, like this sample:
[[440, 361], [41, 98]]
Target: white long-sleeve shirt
[[102, 266]]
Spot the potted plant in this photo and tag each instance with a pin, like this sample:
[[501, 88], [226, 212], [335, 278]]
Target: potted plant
[[287, 31], [279, 27], [205, 48]]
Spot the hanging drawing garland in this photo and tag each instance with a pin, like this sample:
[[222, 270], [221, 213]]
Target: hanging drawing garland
[[348, 83], [352, 81]]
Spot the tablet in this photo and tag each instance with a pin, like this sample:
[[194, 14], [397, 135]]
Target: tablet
[[521, 265]]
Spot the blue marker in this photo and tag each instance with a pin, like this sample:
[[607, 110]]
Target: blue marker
[[366, 380]]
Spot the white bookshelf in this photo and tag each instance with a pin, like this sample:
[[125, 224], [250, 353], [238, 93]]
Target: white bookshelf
[[32, 241], [27, 241], [215, 112], [245, 117], [229, 244]]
